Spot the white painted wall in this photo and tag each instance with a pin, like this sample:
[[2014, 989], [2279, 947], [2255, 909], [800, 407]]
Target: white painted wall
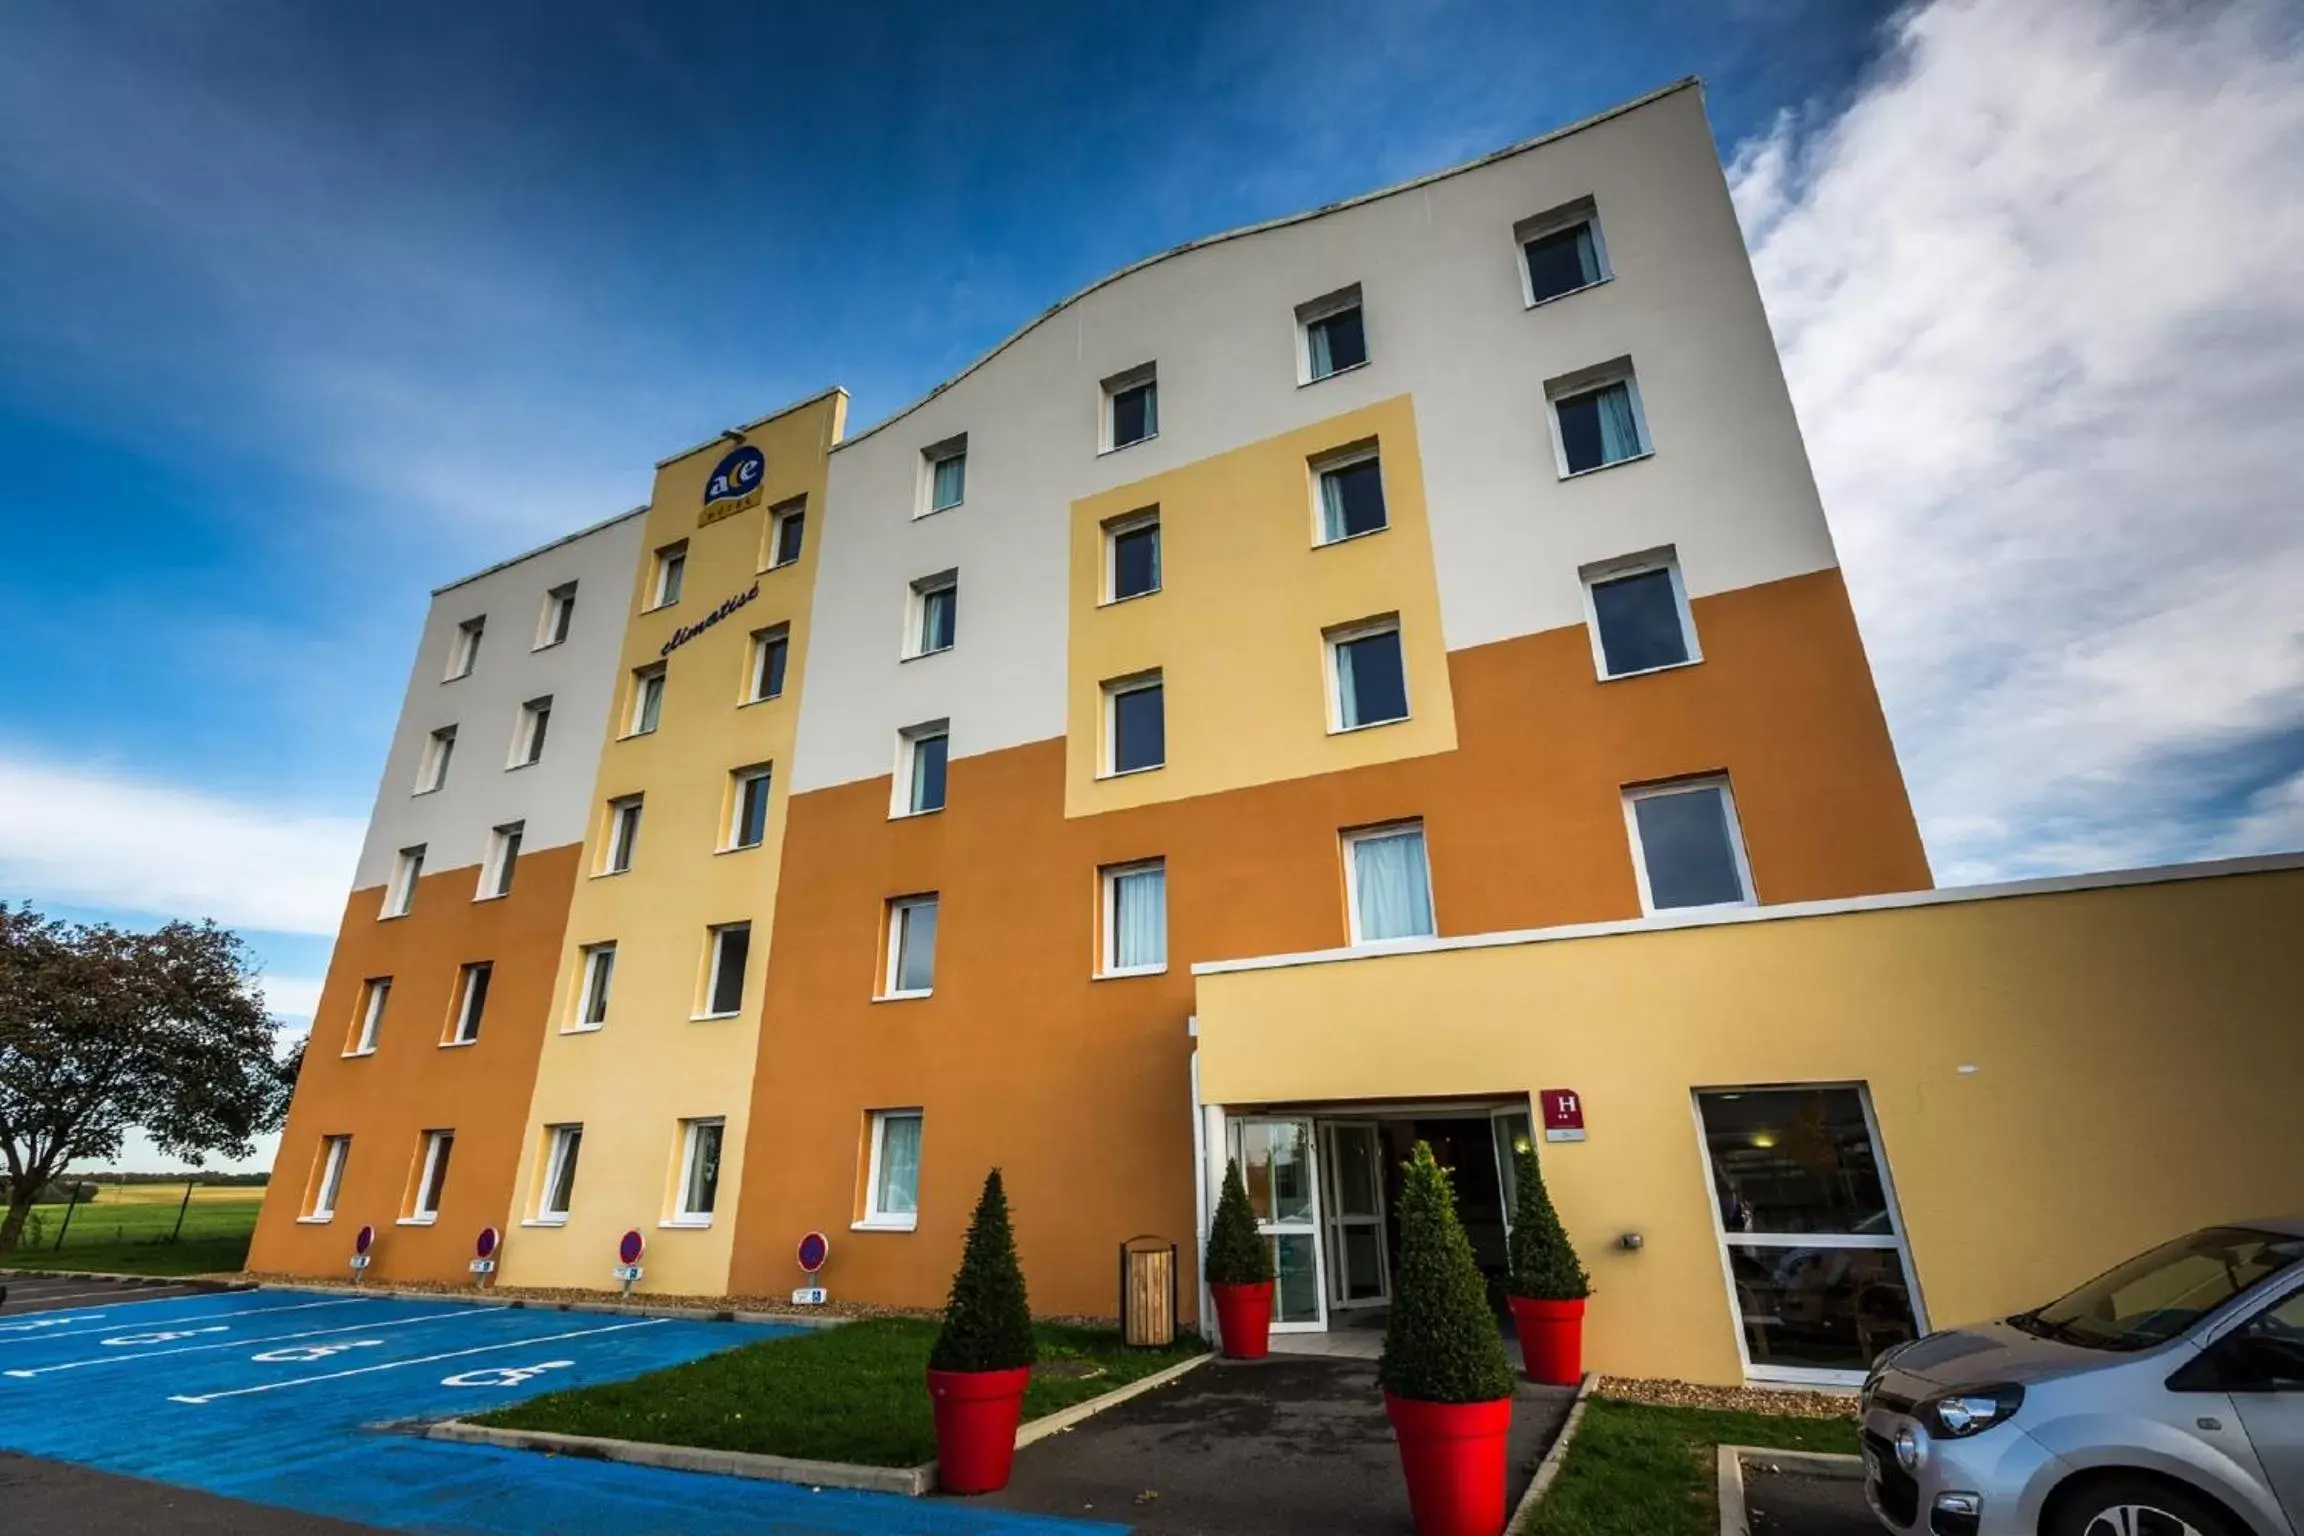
[[553, 797], [1729, 484]]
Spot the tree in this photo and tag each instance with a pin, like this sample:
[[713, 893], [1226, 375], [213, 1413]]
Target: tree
[[1543, 1262], [1237, 1252], [102, 1030], [987, 1320], [1441, 1343]]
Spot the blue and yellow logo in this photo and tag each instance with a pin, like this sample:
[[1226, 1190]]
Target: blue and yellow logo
[[739, 475]]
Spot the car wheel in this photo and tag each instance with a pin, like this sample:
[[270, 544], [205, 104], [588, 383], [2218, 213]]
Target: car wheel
[[2128, 1505]]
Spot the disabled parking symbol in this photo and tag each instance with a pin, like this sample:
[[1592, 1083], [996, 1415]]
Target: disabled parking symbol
[[503, 1375], [162, 1335], [301, 1354]]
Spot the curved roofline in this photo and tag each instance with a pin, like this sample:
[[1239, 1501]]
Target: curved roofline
[[545, 548], [1686, 82]]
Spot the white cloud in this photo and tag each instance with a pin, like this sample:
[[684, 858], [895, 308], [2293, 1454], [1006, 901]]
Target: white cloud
[[96, 837], [292, 997], [2041, 305]]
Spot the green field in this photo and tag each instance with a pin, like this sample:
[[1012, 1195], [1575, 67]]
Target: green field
[[126, 1228]]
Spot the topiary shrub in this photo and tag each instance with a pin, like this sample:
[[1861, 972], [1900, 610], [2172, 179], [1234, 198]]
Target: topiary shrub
[[1544, 1265], [1441, 1344], [1237, 1252], [987, 1320]]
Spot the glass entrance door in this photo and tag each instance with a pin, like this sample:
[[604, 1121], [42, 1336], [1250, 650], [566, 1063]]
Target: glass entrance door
[[1276, 1164], [1352, 1158]]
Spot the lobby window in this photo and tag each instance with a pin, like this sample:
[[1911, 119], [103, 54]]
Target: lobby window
[[464, 650], [1389, 883], [368, 1020], [431, 1178], [528, 735], [764, 677], [328, 1177], [1135, 724], [592, 991], [647, 699], [671, 572], [562, 1143], [935, 614], [1131, 407], [503, 858], [1135, 918], [1365, 674], [700, 1142], [748, 806], [1686, 848], [1639, 613], [944, 475], [432, 772], [892, 1180], [1333, 336], [1561, 252], [922, 756], [1351, 492], [911, 967], [623, 838], [471, 1002], [726, 953], [1132, 555], [558, 617], [1597, 420], [787, 532], [407, 872]]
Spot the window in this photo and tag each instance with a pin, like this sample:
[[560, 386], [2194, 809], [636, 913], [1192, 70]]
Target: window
[[562, 1143], [1686, 849], [1366, 675], [911, 947], [946, 475], [432, 772], [1132, 555], [1351, 495], [1599, 423], [599, 975], [787, 530], [1389, 884], [935, 613], [464, 650], [892, 1183], [1136, 918], [1135, 726], [1640, 617], [407, 870], [368, 1022], [920, 763], [647, 699], [503, 856], [671, 571], [328, 1182], [748, 806], [1334, 337], [623, 835], [471, 1001], [431, 1179], [559, 614], [731, 947], [765, 676], [528, 736], [1131, 407], [1561, 252], [699, 1170], [1815, 1249]]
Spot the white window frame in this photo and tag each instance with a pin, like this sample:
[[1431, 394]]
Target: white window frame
[[1602, 572], [779, 515], [738, 780], [1117, 529], [875, 1219], [931, 457], [1551, 222], [908, 742], [916, 614], [598, 959], [407, 874], [1109, 393], [502, 863], [1584, 382], [636, 703], [432, 767], [464, 1024], [1352, 839], [557, 622], [1634, 794], [438, 1145], [328, 1184], [1327, 307], [670, 571], [1325, 464], [756, 658], [614, 841], [899, 910], [464, 648], [1135, 682], [557, 1141], [368, 1017], [530, 733], [1108, 896], [714, 937], [690, 1137], [1344, 634]]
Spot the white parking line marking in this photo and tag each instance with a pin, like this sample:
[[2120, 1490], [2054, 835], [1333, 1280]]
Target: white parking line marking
[[393, 1365], [48, 1322], [278, 1338], [199, 1317], [47, 1298]]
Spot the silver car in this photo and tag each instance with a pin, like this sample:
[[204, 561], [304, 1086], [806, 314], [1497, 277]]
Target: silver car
[[2164, 1398]]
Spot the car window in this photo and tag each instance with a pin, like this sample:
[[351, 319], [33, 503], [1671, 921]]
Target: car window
[[2159, 1294], [2273, 1345]]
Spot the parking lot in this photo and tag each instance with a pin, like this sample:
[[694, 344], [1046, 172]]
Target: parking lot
[[288, 1398]]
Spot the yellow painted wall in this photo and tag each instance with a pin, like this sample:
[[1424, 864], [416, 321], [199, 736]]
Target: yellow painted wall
[[1236, 628], [653, 1064], [2137, 1054]]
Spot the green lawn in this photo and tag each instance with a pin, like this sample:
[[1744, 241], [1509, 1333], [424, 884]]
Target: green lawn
[[1636, 1470], [855, 1393], [126, 1228]]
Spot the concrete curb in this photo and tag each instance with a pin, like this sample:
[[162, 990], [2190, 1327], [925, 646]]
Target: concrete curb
[[1548, 1470], [478, 1298], [1735, 1519], [1064, 1418], [213, 1282]]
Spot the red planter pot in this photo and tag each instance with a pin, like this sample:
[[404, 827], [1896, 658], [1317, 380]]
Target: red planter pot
[[1244, 1319], [976, 1417], [1551, 1339], [1453, 1455]]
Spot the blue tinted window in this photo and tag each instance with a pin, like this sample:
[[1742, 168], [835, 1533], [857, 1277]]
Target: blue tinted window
[[1139, 729], [1689, 848], [1639, 617]]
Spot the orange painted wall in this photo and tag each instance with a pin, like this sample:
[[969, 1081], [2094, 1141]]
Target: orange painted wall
[[386, 1101], [1080, 1089]]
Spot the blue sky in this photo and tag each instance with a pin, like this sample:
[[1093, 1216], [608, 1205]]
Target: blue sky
[[308, 309]]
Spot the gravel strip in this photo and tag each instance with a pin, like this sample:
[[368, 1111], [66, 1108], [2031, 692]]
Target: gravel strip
[[1688, 1394]]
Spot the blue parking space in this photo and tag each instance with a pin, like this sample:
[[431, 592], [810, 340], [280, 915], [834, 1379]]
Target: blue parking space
[[278, 1397]]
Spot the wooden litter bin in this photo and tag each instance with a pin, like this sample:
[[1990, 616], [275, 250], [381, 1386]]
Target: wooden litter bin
[[1148, 1292]]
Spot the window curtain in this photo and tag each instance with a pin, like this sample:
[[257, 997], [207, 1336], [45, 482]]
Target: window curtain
[[1323, 359], [1151, 410], [1395, 888], [951, 480], [1140, 921], [1331, 507], [1347, 689], [1587, 255], [899, 1193], [1619, 429], [564, 1175]]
